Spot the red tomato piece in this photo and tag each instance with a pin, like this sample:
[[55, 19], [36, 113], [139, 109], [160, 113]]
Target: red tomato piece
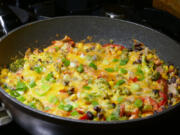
[[84, 117]]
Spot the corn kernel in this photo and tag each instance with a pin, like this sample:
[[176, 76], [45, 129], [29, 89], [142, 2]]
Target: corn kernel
[[111, 83], [116, 48], [80, 45], [165, 68], [171, 67], [164, 76], [119, 52], [4, 71], [98, 46], [73, 97], [149, 56]]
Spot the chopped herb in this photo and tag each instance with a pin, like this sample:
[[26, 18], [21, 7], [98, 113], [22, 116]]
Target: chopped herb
[[66, 62], [32, 105], [139, 71], [57, 48], [68, 107], [135, 87], [21, 98], [113, 116], [93, 65], [21, 86], [156, 76], [74, 113], [116, 68], [123, 61], [53, 99], [44, 89], [123, 71], [32, 84], [94, 103], [19, 63], [38, 69], [14, 93], [120, 99], [120, 82], [50, 77], [115, 60], [46, 108], [138, 103], [61, 106], [90, 81], [80, 69], [86, 87], [109, 69]]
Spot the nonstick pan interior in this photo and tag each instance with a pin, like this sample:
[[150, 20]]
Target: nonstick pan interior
[[40, 34]]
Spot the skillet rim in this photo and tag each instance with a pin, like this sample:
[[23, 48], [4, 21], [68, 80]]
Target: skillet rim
[[56, 117]]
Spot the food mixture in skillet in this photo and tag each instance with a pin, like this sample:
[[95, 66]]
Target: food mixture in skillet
[[90, 81]]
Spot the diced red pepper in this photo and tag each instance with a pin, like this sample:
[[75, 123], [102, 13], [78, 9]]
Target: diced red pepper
[[135, 79], [165, 86], [114, 45], [63, 91], [72, 43], [159, 81], [80, 111], [136, 112], [164, 100], [154, 104], [84, 117], [143, 99], [53, 42], [122, 110]]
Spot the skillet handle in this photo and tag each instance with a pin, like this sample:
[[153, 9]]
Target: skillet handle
[[5, 116]]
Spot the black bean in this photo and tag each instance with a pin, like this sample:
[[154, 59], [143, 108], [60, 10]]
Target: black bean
[[163, 107], [170, 64], [66, 83], [170, 103], [71, 91], [90, 116], [39, 60], [130, 49], [97, 108], [94, 58], [88, 50], [170, 95], [113, 105], [156, 76], [137, 61], [172, 80], [92, 48], [138, 47], [155, 112], [100, 115], [156, 92]]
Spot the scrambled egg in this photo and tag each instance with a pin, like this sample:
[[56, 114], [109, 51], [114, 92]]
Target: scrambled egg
[[90, 81]]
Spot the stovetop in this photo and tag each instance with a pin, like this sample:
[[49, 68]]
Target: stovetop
[[148, 16]]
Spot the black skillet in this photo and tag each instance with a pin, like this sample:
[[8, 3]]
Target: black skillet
[[40, 34]]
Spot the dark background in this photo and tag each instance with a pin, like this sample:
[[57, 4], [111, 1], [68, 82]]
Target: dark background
[[14, 13]]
